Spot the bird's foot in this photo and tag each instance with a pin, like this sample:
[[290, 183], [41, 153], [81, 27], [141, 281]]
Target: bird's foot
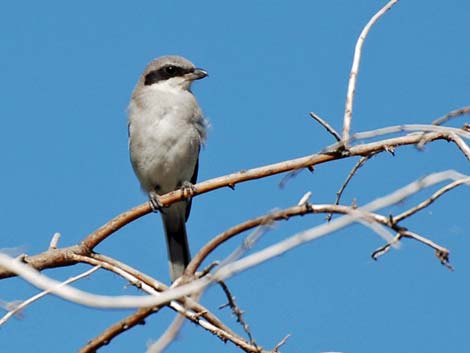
[[155, 203], [188, 189]]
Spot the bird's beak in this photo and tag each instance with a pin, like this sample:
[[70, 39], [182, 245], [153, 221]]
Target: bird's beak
[[197, 74]]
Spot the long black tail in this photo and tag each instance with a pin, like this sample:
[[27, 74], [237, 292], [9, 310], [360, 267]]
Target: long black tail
[[174, 219]]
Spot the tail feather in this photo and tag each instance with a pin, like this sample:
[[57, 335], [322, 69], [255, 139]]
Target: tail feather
[[177, 241]]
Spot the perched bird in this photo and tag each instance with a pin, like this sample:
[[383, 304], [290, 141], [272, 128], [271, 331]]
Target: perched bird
[[166, 131]]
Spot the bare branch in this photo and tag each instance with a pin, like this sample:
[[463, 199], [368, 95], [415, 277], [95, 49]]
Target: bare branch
[[170, 334], [188, 307], [326, 126], [38, 296], [137, 318], [64, 257], [418, 128], [319, 231], [353, 171], [237, 312], [431, 199], [280, 344], [452, 114], [355, 69], [441, 253]]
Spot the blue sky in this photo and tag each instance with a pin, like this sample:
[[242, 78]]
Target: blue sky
[[67, 73]]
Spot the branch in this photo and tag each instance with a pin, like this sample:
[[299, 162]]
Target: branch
[[452, 114], [326, 126], [353, 171], [170, 334], [355, 69], [431, 199], [85, 298], [237, 312], [130, 321], [441, 253], [64, 257], [188, 307], [38, 296]]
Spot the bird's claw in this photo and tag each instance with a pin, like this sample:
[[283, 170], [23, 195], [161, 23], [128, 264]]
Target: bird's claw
[[188, 189], [155, 203]]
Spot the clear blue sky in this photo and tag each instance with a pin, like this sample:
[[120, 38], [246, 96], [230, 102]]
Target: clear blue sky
[[67, 71]]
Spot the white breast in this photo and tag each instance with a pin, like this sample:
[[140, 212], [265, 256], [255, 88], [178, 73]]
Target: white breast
[[166, 129]]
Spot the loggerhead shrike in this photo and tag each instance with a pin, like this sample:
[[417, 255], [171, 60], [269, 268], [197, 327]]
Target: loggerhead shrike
[[166, 130]]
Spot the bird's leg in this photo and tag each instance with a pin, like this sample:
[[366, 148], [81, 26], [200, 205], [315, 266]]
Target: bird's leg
[[155, 203], [188, 189]]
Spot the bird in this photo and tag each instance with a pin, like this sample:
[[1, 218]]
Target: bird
[[166, 130]]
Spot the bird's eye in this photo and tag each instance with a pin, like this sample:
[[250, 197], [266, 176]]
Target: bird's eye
[[170, 70]]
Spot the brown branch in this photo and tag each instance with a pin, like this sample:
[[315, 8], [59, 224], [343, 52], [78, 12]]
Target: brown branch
[[137, 318], [108, 263], [64, 257], [237, 312], [240, 228], [197, 310]]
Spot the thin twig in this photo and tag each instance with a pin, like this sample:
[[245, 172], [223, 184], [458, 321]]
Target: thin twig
[[355, 70], [168, 336], [38, 296], [385, 248], [452, 114], [441, 253], [280, 344], [236, 311], [353, 171], [430, 200], [326, 126]]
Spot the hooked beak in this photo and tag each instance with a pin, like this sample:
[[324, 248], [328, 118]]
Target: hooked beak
[[197, 74]]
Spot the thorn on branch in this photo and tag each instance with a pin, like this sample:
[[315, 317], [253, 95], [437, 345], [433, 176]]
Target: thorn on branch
[[231, 186], [208, 269], [54, 241], [326, 126], [280, 344], [390, 149], [236, 311], [304, 200]]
